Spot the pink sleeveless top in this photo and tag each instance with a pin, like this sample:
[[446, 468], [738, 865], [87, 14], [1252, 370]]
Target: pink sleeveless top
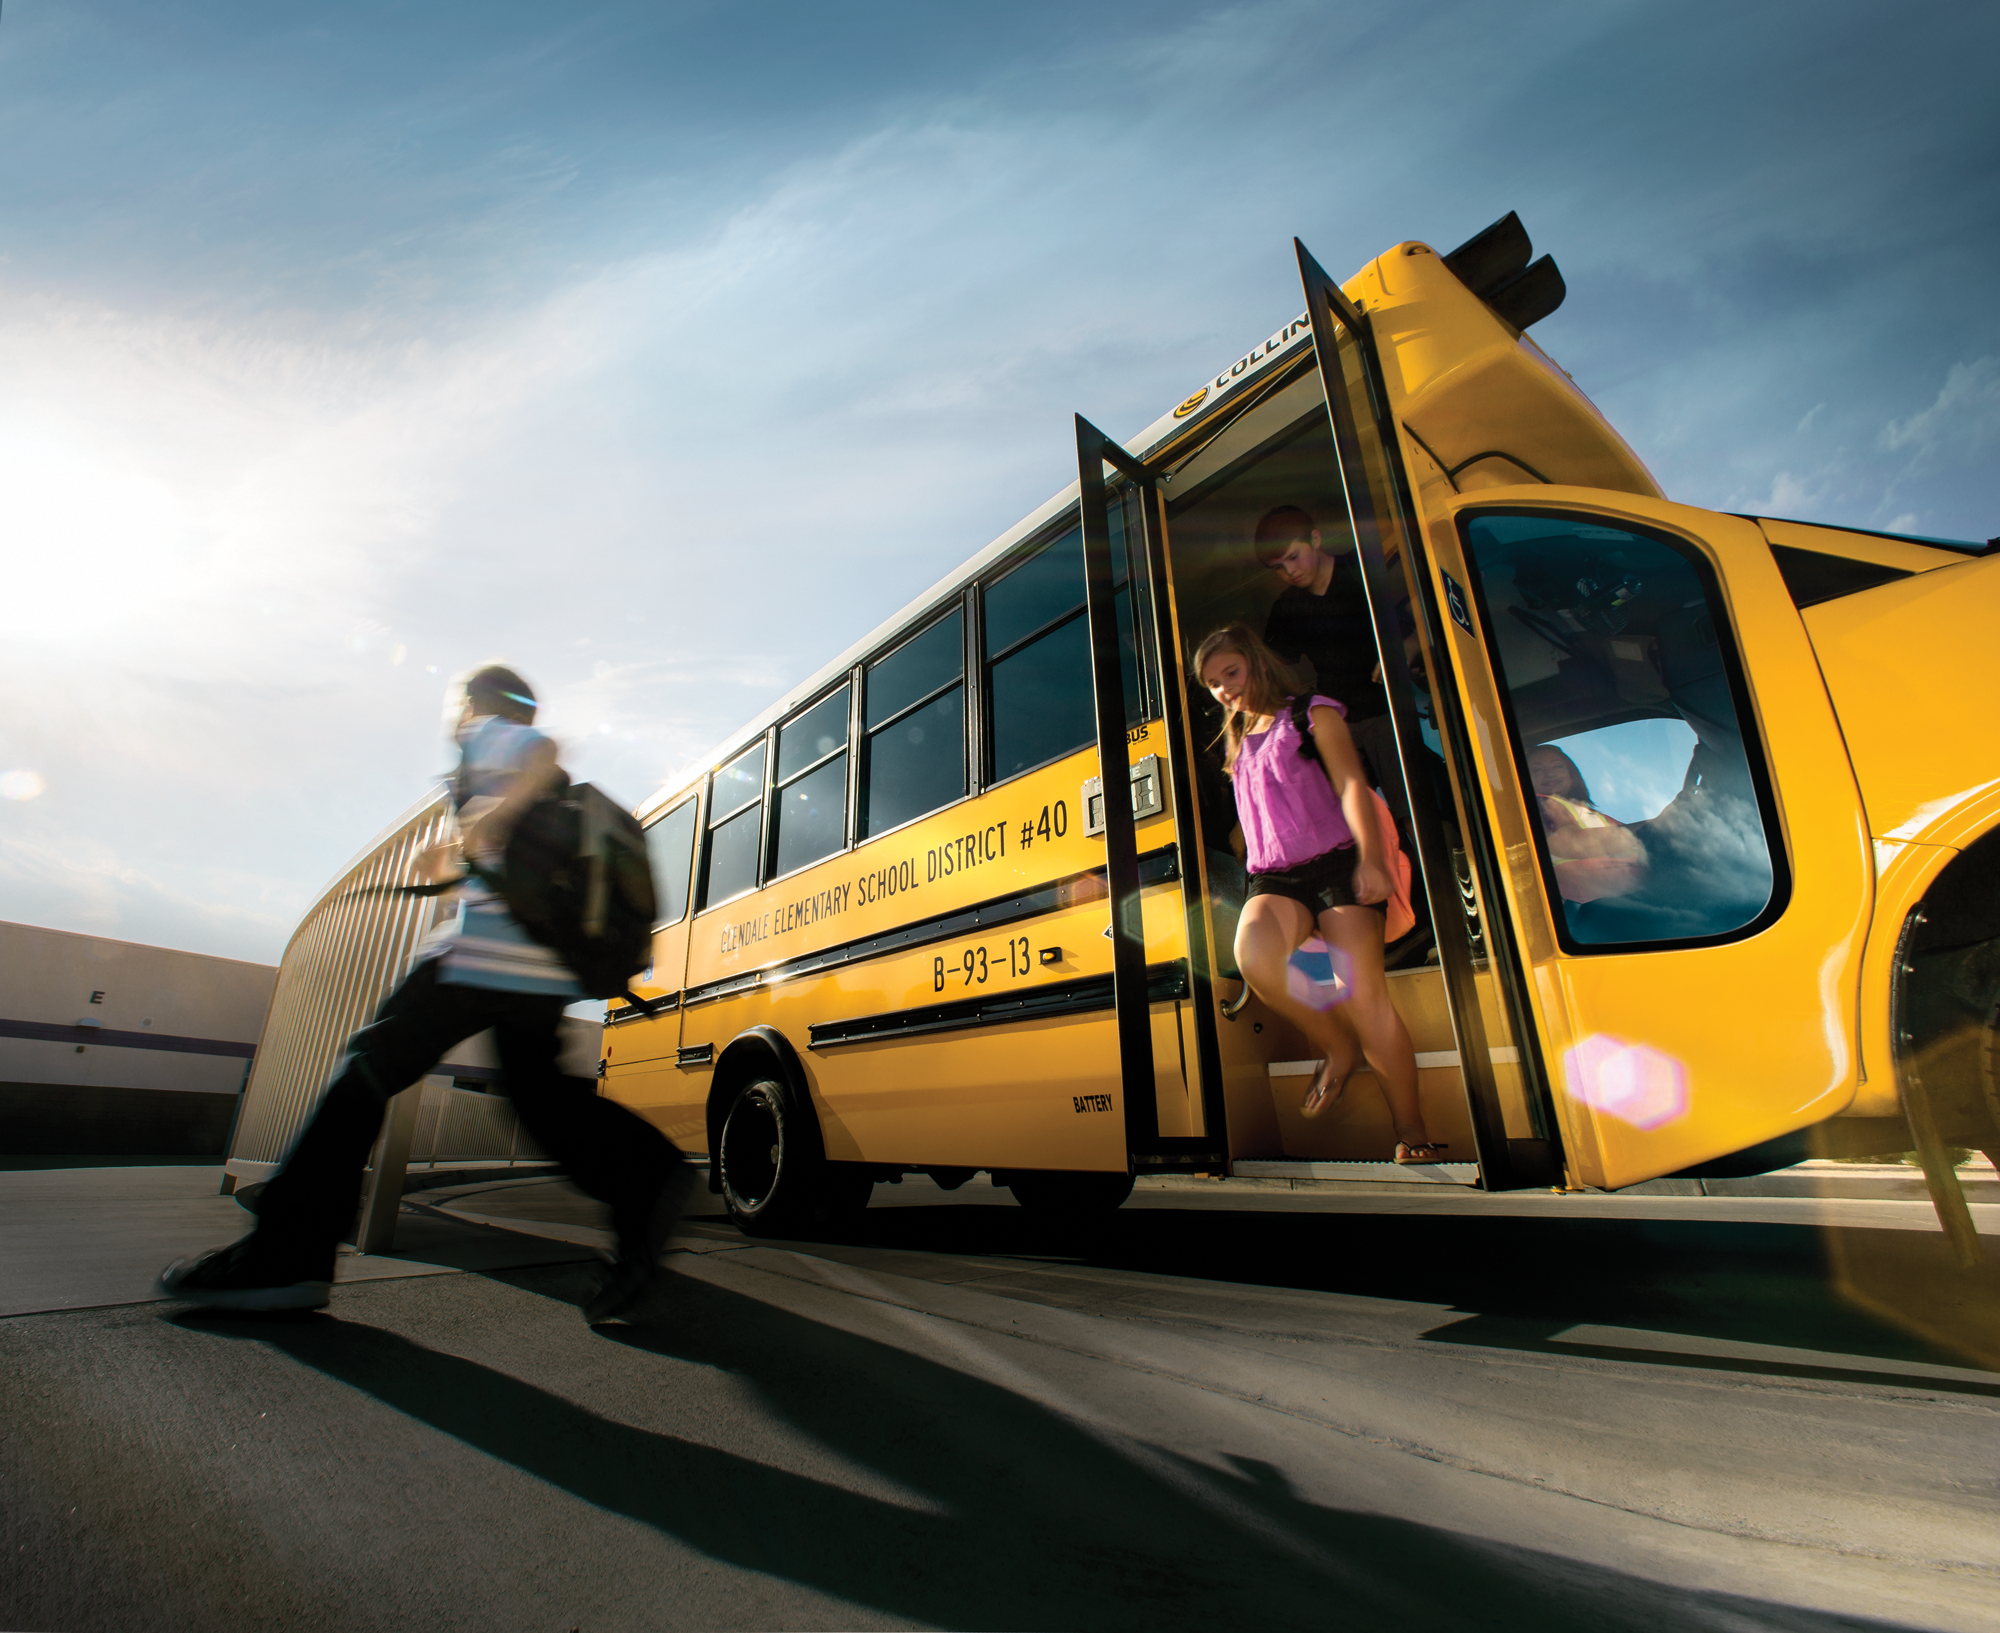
[[1285, 801]]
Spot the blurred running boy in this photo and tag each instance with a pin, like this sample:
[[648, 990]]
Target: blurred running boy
[[478, 972]]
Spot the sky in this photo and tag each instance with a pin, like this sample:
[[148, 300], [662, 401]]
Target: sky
[[665, 349]]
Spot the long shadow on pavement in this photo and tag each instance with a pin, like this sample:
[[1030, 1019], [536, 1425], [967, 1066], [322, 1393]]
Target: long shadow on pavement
[[1019, 1517], [1889, 1295]]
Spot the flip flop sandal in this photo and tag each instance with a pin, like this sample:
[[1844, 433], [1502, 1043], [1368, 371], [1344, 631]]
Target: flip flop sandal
[[1419, 1153], [1325, 1089]]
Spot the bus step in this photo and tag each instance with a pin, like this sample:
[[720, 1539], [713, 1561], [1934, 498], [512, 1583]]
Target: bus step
[[1365, 1173]]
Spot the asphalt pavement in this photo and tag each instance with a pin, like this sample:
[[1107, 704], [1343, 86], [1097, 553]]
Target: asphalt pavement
[[1232, 1406]]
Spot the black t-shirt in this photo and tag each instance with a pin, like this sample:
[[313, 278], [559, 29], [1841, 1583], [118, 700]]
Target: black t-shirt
[[1333, 632]]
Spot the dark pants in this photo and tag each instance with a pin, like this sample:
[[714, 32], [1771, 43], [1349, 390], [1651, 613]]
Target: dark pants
[[308, 1208]]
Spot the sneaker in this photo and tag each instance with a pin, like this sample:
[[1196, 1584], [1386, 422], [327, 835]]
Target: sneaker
[[635, 1272], [230, 1278], [625, 1284]]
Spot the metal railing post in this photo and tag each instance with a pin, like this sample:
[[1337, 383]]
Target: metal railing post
[[382, 1196]]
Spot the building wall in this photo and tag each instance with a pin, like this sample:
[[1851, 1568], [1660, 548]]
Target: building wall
[[150, 1044]]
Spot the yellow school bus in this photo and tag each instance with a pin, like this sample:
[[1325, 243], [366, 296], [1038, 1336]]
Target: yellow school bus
[[903, 929]]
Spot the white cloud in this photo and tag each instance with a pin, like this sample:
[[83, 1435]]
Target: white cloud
[[1960, 424], [84, 884], [1791, 495]]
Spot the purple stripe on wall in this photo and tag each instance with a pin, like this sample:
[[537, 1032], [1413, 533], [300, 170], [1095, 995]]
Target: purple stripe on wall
[[104, 1037]]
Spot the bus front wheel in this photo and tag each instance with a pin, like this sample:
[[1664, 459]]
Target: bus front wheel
[[774, 1179], [1070, 1195]]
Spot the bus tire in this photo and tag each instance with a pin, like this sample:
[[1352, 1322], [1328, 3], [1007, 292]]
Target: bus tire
[[774, 1179], [1989, 1082], [1057, 1195]]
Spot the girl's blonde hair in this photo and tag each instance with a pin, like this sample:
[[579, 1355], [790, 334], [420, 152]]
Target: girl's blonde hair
[[1272, 685]]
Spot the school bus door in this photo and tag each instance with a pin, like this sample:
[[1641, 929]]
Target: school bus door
[[1456, 846], [1124, 520], [1694, 955]]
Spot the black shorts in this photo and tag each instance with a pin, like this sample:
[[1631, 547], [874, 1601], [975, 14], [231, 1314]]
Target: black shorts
[[1316, 885]]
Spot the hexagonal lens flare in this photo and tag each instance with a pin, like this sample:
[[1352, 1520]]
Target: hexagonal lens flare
[[1319, 975], [1633, 1082]]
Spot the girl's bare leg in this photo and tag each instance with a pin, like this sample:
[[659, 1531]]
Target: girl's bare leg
[[1270, 930], [1356, 932]]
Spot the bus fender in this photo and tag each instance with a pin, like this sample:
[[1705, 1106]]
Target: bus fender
[[758, 1051]]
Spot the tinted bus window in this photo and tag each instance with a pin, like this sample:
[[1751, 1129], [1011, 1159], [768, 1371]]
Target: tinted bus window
[[1042, 700], [809, 812], [1038, 660], [737, 784], [670, 848], [1045, 587], [915, 741], [915, 670], [736, 812], [1038, 653], [813, 736], [1613, 650]]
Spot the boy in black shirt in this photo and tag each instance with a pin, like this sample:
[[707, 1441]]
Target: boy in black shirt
[[1320, 624]]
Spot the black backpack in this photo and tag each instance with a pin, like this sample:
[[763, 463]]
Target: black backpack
[[576, 877]]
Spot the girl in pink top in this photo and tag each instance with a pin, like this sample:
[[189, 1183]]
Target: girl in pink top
[[1318, 863]]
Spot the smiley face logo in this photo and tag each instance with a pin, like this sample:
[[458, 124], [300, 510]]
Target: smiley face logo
[[1191, 404]]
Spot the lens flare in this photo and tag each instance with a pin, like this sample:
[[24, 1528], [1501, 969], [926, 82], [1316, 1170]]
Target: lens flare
[[1319, 975], [19, 785], [1633, 1082]]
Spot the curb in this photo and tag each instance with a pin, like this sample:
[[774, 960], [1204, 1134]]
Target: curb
[[1816, 1179]]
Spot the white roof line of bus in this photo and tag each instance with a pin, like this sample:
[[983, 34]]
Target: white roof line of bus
[[1283, 344]]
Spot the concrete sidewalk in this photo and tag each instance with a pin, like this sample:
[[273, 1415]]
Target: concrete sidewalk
[[79, 1238]]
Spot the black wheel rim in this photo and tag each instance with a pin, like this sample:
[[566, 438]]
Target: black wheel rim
[[753, 1149]]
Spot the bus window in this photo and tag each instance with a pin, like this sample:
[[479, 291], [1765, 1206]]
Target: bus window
[[735, 819], [810, 813], [670, 848], [914, 736], [1038, 659], [1612, 647], [1038, 651]]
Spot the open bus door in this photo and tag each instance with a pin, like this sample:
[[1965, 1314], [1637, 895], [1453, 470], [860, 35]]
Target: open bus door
[[1485, 983], [1124, 520], [1124, 527], [1480, 998], [1687, 863]]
